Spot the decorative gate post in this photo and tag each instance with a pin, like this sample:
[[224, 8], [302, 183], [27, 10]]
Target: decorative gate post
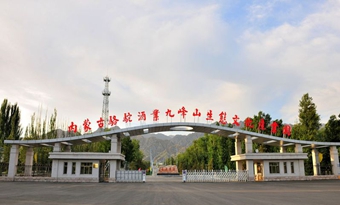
[[249, 162], [113, 162], [55, 162], [13, 161], [29, 161], [316, 161], [334, 155]]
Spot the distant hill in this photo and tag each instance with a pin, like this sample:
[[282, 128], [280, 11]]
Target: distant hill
[[163, 146]]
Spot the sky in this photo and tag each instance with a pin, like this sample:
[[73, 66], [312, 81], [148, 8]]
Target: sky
[[236, 56]]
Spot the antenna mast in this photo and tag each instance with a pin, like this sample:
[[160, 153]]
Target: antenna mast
[[106, 94]]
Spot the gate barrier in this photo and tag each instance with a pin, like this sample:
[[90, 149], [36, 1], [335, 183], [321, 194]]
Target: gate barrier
[[216, 176], [130, 176]]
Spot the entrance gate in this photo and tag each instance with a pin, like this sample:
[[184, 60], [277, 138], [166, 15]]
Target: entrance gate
[[129, 176], [104, 171], [216, 176]]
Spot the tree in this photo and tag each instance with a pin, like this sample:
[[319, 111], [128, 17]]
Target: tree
[[208, 152], [10, 127], [133, 155], [309, 120], [332, 129], [307, 128], [127, 149]]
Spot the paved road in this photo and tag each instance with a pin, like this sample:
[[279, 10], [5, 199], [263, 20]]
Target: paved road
[[170, 192]]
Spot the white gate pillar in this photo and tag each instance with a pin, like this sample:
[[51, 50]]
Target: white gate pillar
[[55, 162], [13, 161], [282, 148], [113, 169], [239, 165], [238, 149], [250, 169], [298, 148], [114, 144], [119, 145], [316, 162], [334, 155], [249, 144], [29, 161], [57, 147]]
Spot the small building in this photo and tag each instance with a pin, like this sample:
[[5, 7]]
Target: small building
[[278, 166], [84, 166]]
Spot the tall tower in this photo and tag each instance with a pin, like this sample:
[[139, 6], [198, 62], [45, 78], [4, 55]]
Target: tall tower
[[106, 94]]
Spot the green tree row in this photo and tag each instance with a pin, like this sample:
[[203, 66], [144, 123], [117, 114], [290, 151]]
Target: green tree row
[[10, 128], [213, 152]]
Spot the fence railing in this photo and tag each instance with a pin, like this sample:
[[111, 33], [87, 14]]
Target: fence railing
[[38, 170], [216, 176], [129, 176]]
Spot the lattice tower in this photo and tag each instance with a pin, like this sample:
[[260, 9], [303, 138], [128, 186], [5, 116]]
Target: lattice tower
[[106, 94]]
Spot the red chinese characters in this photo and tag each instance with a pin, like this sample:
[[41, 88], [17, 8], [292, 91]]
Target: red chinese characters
[[100, 123], [141, 116], [274, 126], [196, 113], [209, 116], [168, 113], [287, 130], [248, 123], [155, 114], [223, 118], [86, 125], [72, 127], [182, 112], [127, 117], [261, 125], [236, 118], [113, 120]]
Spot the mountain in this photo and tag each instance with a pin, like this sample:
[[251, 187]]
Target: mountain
[[163, 146]]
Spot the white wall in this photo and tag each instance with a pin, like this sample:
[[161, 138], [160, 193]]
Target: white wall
[[297, 171], [60, 169]]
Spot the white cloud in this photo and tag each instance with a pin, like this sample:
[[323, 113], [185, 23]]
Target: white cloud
[[306, 56]]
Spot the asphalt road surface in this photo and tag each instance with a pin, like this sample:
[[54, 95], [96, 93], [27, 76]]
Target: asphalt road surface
[[172, 192]]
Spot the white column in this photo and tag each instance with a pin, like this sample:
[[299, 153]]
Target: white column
[[114, 144], [113, 169], [298, 148], [334, 155], [249, 144], [239, 165], [119, 145], [13, 161], [57, 147], [250, 169], [29, 161], [55, 168], [316, 162], [301, 167], [255, 169], [55, 162], [238, 149], [282, 148]]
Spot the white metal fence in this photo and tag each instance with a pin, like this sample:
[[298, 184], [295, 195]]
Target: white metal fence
[[216, 176], [129, 176]]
